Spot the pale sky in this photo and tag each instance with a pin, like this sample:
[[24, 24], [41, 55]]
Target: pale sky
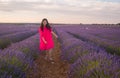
[[60, 11]]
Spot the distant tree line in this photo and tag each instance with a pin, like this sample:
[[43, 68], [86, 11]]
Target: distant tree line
[[118, 23]]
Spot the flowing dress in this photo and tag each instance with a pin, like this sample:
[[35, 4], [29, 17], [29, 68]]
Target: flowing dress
[[46, 33]]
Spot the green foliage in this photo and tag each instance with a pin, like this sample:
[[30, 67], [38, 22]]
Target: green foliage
[[4, 43], [25, 50]]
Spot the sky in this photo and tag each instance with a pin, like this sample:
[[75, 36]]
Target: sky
[[60, 11]]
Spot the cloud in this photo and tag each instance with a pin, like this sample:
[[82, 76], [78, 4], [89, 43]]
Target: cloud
[[68, 5], [97, 9]]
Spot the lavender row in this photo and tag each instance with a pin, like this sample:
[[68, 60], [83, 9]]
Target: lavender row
[[6, 29], [18, 26], [19, 57], [110, 46], [87, 60], [6, 40], [96, 65], [9, 29], [106, 37], [71, 45], [107, 32]]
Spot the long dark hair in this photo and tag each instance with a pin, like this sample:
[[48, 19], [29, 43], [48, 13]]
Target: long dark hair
[[47, 25]]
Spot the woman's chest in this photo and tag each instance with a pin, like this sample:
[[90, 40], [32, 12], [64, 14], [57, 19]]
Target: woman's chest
[[46, 32]]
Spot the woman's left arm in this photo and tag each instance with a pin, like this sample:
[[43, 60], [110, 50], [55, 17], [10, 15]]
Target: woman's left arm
[[54, 34]]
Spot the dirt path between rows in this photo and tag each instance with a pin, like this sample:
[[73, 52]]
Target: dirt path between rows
[[45, 69]]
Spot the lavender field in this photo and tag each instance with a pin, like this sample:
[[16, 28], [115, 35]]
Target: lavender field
[[93, 51], [18, 49]]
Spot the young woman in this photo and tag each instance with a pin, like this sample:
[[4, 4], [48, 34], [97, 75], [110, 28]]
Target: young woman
[[46, 40]]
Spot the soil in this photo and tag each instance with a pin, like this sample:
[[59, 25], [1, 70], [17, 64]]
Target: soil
[[45, 69]]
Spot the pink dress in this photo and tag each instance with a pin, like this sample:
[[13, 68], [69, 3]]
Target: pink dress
[[48, 37]]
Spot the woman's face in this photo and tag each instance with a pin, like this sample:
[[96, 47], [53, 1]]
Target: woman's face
[[44, 22]]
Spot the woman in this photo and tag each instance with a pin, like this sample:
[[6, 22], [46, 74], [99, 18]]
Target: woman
[[46, 40]]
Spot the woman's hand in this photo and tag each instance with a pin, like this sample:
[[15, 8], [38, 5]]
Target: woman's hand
[[45, 42], [54, 34]]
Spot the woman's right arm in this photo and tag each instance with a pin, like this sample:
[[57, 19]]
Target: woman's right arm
[[54, 34]]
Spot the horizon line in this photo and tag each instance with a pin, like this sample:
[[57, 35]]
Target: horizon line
[[50, 23]]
